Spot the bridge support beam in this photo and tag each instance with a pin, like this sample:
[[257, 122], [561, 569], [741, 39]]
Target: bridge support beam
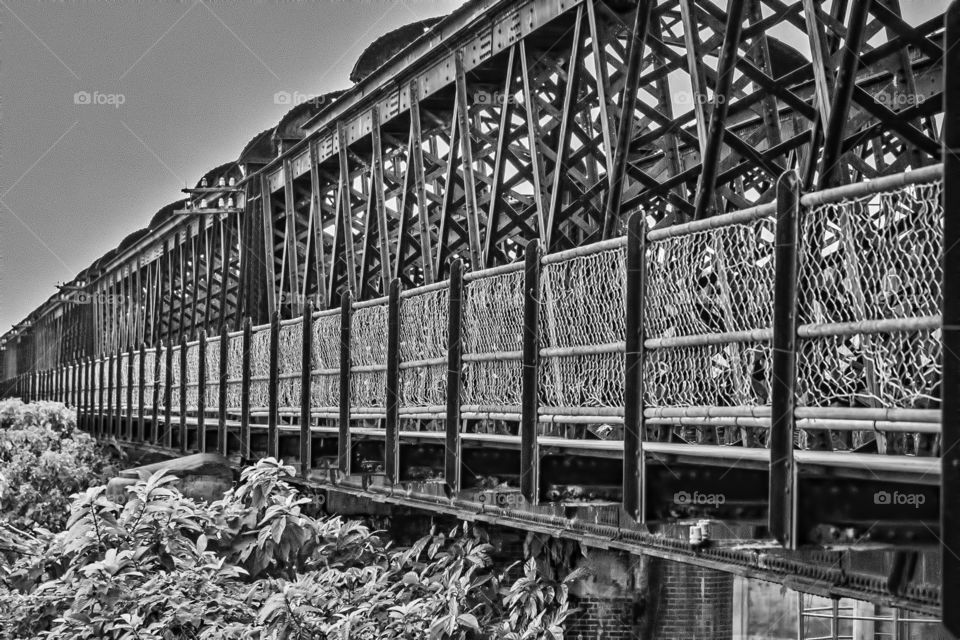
[[950, 398], [529, 454], [633, 369], [784, 375], [454, 372]]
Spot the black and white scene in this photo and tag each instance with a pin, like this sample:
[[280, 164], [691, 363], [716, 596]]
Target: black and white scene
[[480, 320]]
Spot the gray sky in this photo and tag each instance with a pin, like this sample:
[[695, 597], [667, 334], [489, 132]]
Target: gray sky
[[196, 81]]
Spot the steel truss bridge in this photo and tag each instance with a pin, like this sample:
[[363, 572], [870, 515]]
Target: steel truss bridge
[[593, 268]]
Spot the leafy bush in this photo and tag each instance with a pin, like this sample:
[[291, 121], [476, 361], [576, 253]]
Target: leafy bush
[[255, 565], [43, 460]]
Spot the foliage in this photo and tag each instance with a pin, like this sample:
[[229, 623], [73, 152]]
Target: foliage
[[255, 565], [43, 460]]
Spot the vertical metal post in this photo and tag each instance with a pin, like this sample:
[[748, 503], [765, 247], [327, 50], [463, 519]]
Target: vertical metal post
[[202, 391], [100, 397], [950, 399], [222, 389], [83, 400], [273, 388], [90, 397], [633, 368], [454, 373], [784, 367], [141, 389], [108, 407], [168, 396], [306, 368], [155, 393], [183, 392], [245, 453], [392, 444], [343, 442], [118, 405], [529, 408], [129, 394]]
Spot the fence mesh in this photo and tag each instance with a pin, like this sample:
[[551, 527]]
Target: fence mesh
[[120, 379], [135, 381], [710, 282], [368, 347], [582, 305], [175, 380], [192, 376], [493, 324], [424, 320], [325, 382], [162, 379], [95, 385], [234, 371], [873, 258], [149, 380], [289, 358], [211, 390], [260, 368]]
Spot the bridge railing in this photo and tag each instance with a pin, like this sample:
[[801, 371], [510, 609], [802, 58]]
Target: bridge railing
[[368, 360], [325, 359], [869, 359], [737, 357], [581, 354], [707, 323], [492, 340], [424, 315]]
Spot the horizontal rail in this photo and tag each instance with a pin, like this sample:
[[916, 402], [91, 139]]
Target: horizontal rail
[[513, 267], [368, 368], [427, 288], [584, 350], [887, 325], [585, 250], [698, 340], [870, 187], [492, 356], [742, 216], [428, 362], [372, 302], [870, 413], [326, 313], [591, 411], [887, 426], [745, 411]]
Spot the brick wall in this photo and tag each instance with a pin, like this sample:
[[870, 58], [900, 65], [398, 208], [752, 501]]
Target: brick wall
[[687, 602], [607, 618]]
